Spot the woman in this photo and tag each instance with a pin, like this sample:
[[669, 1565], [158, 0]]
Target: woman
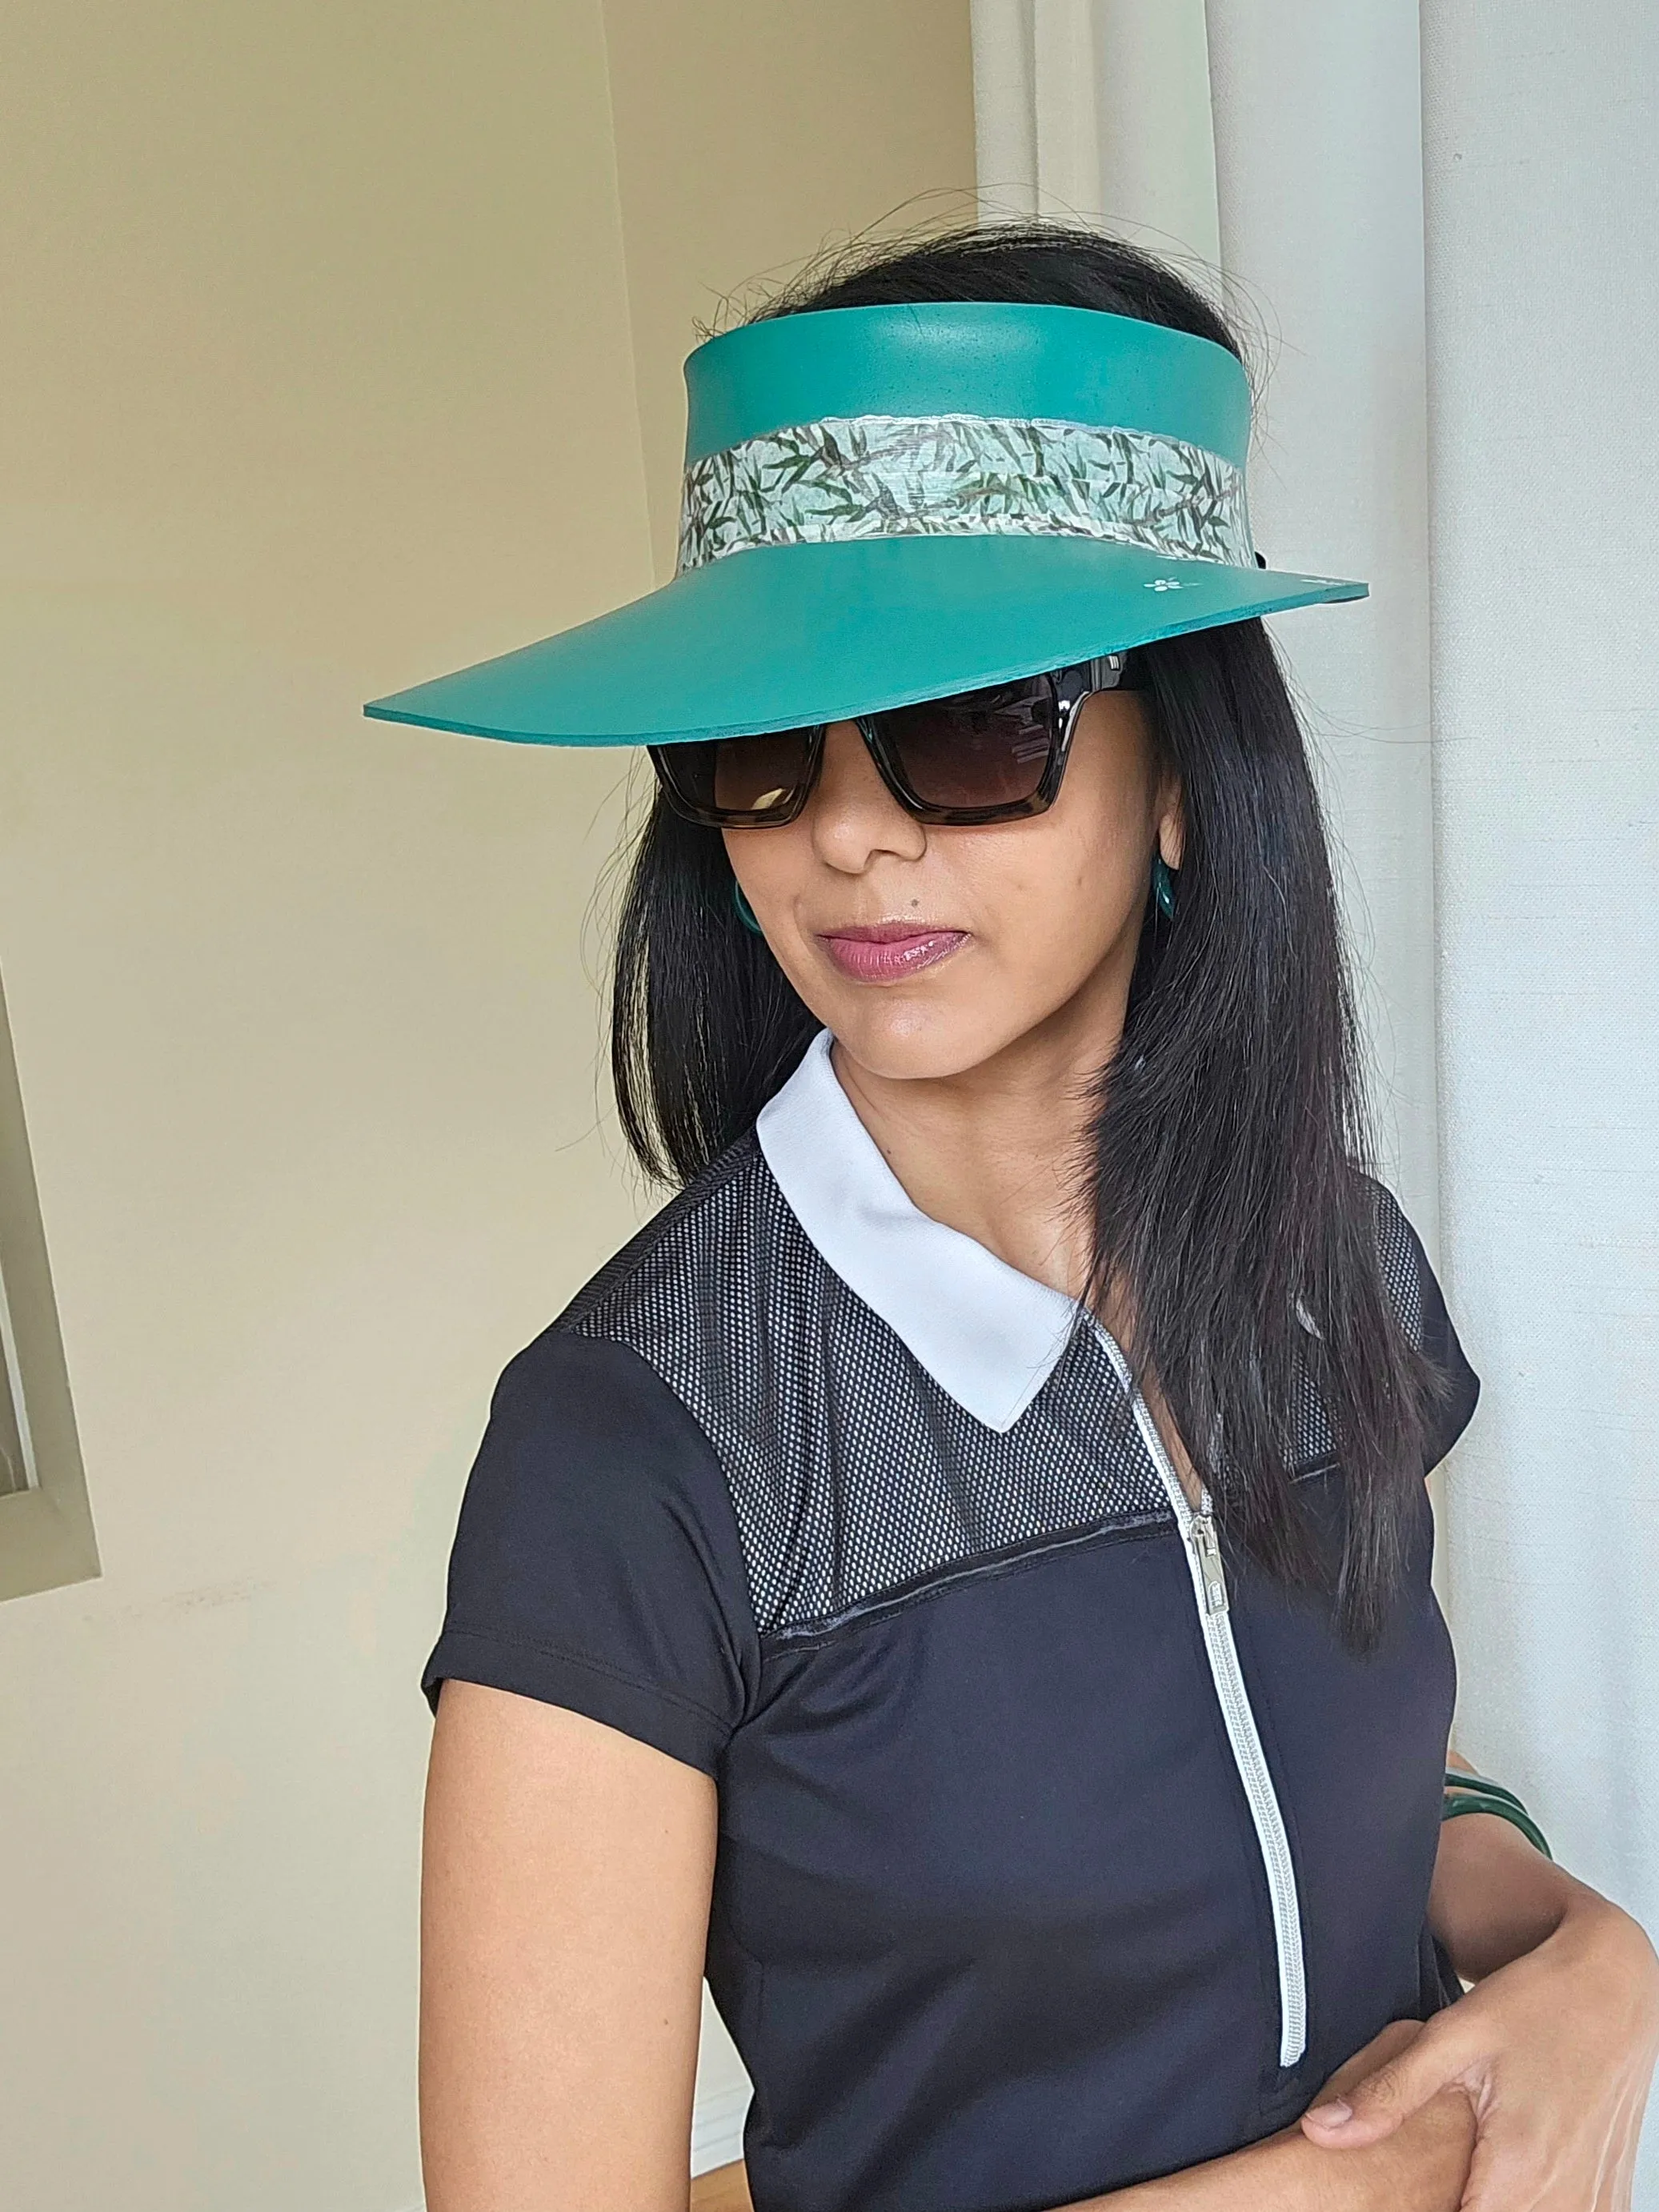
[[962, 1574]]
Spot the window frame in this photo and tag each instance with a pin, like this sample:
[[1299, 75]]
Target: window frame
[[46, 1534]]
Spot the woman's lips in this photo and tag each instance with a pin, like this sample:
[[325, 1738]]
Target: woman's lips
[[886, 950]]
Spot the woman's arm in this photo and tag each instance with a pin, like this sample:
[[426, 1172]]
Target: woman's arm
[[1494, 1898], [1426, 2173], [1420, 2168], [565, 1895], [1555, 2043]]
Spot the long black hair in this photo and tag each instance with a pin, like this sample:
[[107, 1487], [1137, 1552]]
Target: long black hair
[[1235, 1215]]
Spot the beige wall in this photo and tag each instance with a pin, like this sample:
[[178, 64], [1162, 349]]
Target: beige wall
[[753, 135], [322, 332]]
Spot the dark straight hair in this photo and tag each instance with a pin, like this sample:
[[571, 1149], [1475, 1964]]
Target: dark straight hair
[[1235, 1214]]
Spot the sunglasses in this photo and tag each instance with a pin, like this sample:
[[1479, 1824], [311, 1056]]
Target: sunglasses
[[980, 757]]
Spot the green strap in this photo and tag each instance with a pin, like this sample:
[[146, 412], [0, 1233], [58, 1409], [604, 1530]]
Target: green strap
[[1460, 1777], [1460, 1798]]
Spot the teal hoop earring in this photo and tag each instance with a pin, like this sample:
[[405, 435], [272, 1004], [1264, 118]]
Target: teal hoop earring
[[746, 912], [1164, 889]]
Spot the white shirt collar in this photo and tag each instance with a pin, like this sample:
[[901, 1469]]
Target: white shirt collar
[[988, 1334]]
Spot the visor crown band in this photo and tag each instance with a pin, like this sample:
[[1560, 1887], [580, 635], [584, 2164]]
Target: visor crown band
[[959, 475]]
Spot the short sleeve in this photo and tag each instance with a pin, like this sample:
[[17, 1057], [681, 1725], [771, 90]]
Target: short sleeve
[[1411, 1285], [596, 1563]]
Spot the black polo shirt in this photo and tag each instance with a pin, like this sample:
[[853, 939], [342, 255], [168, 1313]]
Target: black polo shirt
[[1059, 1847]]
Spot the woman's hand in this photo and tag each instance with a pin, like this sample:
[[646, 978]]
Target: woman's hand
[[1555, 2047], [1420, 2167]]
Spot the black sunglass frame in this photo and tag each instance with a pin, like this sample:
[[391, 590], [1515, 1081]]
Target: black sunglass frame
[[1067, 689]]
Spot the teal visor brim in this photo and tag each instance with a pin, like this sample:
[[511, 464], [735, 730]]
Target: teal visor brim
[[781, 636]]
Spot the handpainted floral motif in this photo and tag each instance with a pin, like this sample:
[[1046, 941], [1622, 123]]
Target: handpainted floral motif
[[888, 476]]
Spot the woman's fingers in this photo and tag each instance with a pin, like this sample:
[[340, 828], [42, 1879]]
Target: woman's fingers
[[1366, 2110], [1553, 2053]]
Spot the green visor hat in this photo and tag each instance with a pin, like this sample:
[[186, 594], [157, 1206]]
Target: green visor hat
[[884, 505]]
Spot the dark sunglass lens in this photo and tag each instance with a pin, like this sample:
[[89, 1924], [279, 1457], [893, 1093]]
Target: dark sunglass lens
[[738, 776], [757, 775], [982, 749]]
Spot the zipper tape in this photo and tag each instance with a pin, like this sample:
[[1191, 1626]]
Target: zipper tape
[[1209, 1579]]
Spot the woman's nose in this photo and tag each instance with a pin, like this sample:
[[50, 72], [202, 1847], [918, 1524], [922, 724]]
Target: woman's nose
[[853, 814]]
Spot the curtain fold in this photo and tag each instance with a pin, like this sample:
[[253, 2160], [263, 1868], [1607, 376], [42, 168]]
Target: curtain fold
[[1098, 109]]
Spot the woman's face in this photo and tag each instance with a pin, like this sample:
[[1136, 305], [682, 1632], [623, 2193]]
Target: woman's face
[[928, 951]]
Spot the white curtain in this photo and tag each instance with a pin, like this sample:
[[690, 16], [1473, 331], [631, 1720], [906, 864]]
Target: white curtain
[[1442, 241], [1096, 107], [1541, 135]]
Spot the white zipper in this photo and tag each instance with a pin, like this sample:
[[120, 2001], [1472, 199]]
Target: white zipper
[[1209, 1579]]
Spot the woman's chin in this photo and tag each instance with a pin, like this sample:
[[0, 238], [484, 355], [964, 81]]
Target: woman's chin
[[908, 1035]]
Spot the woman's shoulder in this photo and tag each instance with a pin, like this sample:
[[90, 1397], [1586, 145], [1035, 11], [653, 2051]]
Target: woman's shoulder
[[706, 1237], [715, 1285], [599, 1387], [652, 1373], [1408, 1277], [597, 1561], [1403, 1261], [1420, 1305]]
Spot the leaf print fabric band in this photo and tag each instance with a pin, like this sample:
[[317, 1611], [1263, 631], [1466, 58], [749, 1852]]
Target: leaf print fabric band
[[889, 476]]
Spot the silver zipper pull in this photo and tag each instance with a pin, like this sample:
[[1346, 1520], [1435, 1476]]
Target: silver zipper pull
[[1207, 1548]]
